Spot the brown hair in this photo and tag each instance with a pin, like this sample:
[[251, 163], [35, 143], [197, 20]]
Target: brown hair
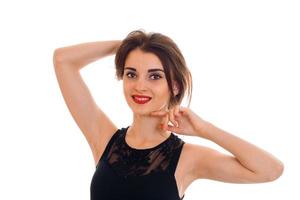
[[169, 54]]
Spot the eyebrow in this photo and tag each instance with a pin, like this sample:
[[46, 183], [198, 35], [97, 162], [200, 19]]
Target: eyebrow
[[149, 70]]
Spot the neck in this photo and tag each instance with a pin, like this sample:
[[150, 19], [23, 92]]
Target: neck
[[146, 128]]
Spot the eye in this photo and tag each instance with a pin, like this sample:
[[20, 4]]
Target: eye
[[128, 74], [156, 75]]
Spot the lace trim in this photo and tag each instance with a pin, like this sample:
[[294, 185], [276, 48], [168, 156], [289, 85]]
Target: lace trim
[[127, 161]]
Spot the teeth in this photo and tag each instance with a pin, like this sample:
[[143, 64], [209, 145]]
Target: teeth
[[141, 99]]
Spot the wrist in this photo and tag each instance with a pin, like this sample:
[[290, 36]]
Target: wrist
[[203, 129], [117, 45]]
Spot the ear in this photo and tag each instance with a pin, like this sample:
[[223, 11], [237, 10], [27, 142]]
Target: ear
[[175, 88]]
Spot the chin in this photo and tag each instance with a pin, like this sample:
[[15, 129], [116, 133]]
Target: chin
[[140, 110]]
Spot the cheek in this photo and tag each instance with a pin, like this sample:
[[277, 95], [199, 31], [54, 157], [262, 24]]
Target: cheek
[[126, 86], [162, 92], [157, 89], [125, 90]]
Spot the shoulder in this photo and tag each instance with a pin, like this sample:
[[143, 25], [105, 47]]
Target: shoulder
[[106, 142], [176, 141], [193, 156]]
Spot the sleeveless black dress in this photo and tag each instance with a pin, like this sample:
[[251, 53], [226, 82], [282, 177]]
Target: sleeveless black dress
[[126, 173]]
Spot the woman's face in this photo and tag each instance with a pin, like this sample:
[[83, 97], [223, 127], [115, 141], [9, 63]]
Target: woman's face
[[144, 75]]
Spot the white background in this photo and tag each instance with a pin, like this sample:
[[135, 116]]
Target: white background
[[244, 58]]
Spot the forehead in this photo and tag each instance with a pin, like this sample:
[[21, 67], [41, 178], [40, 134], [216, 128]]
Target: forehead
[[142, 60]]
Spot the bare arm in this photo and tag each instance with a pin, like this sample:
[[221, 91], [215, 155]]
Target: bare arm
[[249, 163], [92, 121], [80, 55]]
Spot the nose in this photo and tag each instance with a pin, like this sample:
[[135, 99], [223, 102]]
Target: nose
[[140, 84]]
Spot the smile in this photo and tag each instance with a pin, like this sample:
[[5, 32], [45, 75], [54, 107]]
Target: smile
[[141, 100]]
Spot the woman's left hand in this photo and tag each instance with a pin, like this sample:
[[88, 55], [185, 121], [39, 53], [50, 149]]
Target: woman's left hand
[[189, 123]]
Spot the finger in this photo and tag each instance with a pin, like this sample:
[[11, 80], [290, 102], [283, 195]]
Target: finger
[[182, 111], [165, 122], [176, 112], [172, 128], [172, 119], [158, 113]]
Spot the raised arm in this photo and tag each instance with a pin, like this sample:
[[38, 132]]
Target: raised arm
[[93, 122], [79, 55]]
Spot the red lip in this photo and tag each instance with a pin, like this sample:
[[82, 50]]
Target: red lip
[[139, 101]]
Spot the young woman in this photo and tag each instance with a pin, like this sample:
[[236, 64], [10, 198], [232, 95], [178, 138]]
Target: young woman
[[146, 160]]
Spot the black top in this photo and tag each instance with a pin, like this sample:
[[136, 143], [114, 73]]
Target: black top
[[126, 173]]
